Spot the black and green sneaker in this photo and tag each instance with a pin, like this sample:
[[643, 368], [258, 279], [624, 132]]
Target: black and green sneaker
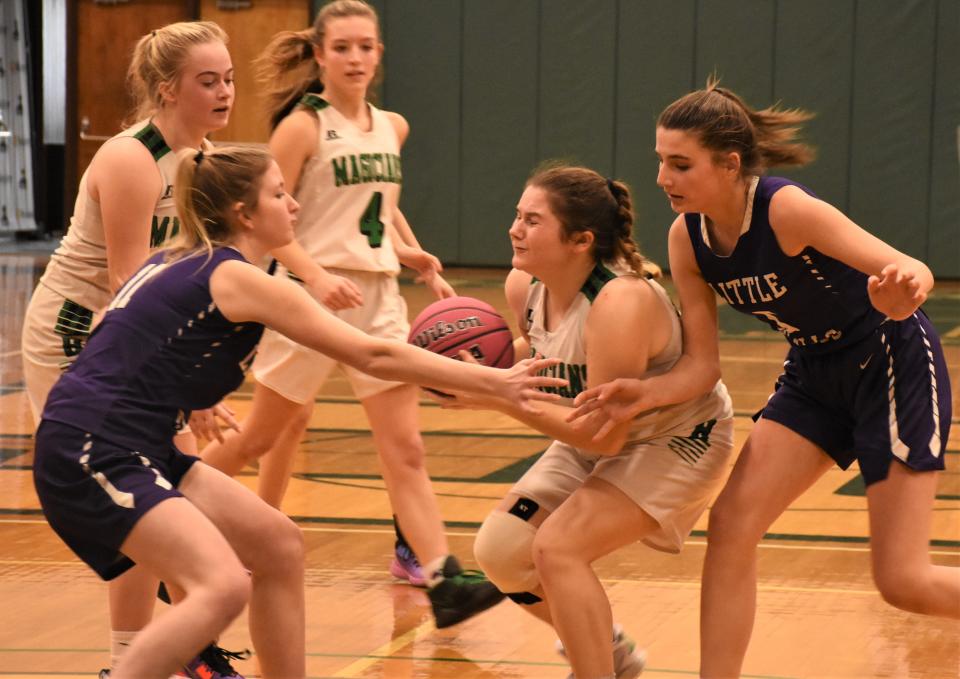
[[461, 594]]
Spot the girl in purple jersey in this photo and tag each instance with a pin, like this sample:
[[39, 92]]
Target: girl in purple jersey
[[115, 489], [865, 378], [181, 76]]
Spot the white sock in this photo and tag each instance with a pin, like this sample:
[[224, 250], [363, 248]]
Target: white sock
[[118, 644], [434, 570]]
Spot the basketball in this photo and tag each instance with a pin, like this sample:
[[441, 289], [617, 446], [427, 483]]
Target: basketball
[[450, 325]]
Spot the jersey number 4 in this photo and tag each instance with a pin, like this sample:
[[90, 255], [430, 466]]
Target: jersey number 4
[[370, 224]]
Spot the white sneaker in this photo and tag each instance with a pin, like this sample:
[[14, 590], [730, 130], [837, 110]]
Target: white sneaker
[[628, 660]]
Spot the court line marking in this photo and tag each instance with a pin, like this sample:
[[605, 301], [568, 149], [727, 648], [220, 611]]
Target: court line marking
[[462, 534], [361, 575], [357, 667]]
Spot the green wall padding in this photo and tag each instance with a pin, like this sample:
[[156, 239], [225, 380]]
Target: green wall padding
[[735, 39], [423, 80], [499, 132], [577, 82], [891, 135], [819, 82], [654, 67], [943, 248]]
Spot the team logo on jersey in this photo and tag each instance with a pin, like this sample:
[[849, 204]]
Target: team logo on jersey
[[332, 134], [363, 168]]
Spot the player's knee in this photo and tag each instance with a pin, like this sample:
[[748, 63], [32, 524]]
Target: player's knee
[[902, 587], [251, 446], [551, 552], [731, 525], [504, 550], [228, 593], [301, 416], [404, 451], [283, 548]]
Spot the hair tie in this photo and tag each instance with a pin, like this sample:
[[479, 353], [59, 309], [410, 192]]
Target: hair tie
[[610, 187], [197, 158], [153, 34]]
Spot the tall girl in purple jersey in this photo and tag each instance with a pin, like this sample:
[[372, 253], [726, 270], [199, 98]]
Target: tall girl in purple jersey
[[179, 336], [864, 379]]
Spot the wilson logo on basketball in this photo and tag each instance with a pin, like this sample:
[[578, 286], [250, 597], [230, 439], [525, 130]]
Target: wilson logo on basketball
[[455, 324], [439, 330]]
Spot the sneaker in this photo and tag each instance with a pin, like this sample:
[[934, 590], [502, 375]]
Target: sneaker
[[214, 663], [406, 567], [628, 662], [461, 594]]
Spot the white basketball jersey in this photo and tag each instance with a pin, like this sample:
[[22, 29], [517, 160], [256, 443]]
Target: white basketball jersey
[[348, 191], [566, 342], [78, 268]]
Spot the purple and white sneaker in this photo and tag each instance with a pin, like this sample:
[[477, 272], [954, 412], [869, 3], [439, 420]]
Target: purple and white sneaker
[[406, 567]]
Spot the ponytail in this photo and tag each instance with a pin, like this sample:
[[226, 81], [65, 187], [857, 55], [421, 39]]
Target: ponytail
[[285, 71], [724, 123], [207, 187]]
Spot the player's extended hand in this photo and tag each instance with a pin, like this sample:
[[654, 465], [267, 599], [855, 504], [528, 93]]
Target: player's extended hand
[[525, 380], [336, 292], [203, 423], [462, 400], [894, 293], [618, 401]]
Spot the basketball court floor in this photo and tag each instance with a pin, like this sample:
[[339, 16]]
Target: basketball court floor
[[818, 613]]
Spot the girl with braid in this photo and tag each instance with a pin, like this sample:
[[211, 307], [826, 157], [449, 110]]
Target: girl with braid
[[864, 379], [583, 294]]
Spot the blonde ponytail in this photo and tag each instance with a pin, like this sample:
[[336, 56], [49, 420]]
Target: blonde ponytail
[[207, 187]]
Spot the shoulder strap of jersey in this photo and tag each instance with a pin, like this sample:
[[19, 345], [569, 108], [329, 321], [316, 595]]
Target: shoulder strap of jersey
[[314, 101], [599, 277], [150, 137]]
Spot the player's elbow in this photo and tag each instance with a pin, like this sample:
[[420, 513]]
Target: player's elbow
[[380, 358], [699, 380], [711, 375]]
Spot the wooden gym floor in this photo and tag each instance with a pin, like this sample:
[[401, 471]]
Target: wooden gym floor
[[818, 614]]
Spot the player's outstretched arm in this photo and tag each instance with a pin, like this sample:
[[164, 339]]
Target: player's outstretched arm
[[245, 293], [898, 284]]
